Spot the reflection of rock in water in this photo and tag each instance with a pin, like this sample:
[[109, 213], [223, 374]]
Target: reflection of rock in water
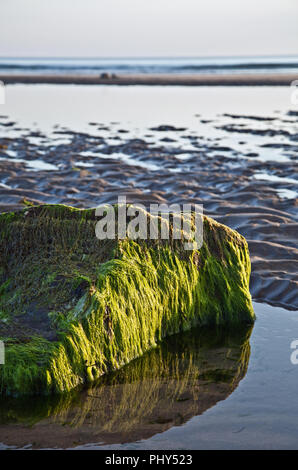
[[179, 379]]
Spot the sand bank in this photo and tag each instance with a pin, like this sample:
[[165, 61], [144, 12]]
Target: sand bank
[[282, 79]]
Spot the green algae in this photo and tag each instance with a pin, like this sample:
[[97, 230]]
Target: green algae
[[73, 307]]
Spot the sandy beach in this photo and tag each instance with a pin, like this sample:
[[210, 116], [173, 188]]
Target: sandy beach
[[222, 79], [121, 332]]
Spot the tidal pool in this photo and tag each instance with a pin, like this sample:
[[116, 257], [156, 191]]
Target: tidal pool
[[200, 389]]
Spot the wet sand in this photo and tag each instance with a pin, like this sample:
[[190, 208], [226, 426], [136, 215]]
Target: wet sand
[[241, 166], [246, 79]]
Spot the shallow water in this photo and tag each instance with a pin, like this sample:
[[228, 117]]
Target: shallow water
[[201, 389]]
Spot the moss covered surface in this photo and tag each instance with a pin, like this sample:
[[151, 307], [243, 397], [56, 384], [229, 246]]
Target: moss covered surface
[[73, 308]]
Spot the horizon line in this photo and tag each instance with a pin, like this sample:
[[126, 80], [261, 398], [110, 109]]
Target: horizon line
[[148, 57]]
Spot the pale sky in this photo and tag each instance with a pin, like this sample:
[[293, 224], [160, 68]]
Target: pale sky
[[147, 28]]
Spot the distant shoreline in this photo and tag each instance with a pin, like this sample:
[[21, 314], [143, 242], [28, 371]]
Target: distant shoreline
[[247, 79]]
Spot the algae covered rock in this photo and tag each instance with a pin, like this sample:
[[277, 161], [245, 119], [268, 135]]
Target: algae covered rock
[[73, 307]]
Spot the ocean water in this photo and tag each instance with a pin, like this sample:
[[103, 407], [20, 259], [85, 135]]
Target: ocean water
[[149, 65]]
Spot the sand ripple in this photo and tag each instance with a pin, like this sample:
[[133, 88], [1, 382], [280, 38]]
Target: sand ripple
[[254, 192]]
